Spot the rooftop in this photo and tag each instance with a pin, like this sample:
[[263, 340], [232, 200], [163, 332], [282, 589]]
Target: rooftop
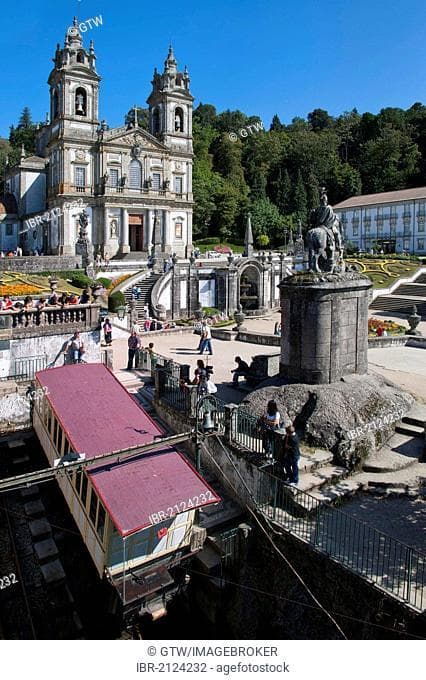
[[99, 416], [385, 197]]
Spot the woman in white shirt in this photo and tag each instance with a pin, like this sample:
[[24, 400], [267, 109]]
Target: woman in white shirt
[[271, 421]]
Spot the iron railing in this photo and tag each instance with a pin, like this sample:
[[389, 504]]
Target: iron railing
[[388, 563], [26, 368], [248, 432]]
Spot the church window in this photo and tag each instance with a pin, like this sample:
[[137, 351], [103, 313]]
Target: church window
[[80, 57], [55, 104], [156, 181], [420, 244], [80, 177], [113, 177], [178, 230], [156, 121], [178, 185], [178, 120], [80, 102], [135, 174]]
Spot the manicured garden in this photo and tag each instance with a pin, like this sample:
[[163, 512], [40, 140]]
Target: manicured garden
[[389, 326], [385, 271]]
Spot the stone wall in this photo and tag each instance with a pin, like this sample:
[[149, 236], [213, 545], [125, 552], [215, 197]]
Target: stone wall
[[44, 263], [49, 346]]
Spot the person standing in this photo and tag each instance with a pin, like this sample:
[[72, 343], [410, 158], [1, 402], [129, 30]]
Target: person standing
[[108, 332], [133, 344], [291, 456], [206, 339], [271, 421]]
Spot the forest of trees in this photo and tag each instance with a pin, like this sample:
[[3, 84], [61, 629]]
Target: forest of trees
[[277, 174]]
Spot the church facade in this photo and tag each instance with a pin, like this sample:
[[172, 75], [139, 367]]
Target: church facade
[[135, 185]]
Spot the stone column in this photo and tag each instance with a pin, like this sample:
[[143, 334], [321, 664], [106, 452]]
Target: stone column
[[148, 230], [324, 327], [124, 240], [167, 237], [106, 244]]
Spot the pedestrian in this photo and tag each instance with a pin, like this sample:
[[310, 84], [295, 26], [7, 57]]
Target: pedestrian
[[134, 292], [270, 421], [291, 456], [206, 339], [53, 300], [152, 355], [153, 326], [76, 345], [108, 332], [199, 373], [138, 292], [7, 303], [133, 344], [379, 331], [147, 324], [242, 370]]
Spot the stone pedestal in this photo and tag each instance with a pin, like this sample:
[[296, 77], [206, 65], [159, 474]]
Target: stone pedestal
[[324, 321]]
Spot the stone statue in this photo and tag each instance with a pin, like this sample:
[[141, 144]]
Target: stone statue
[[83, 221], [413, 321], [324, 239]]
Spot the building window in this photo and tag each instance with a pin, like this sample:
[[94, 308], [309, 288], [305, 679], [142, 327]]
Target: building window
[[80, 102], [80, 177], [156, 121], [156, 181], [421, 226], [101, 521], [178, 120], [113, 177], [406, 244], [55, 104], [135, 174], [355, 231], [178, 185], [80, 58], [420, 244], [9, 229], [178, 230]]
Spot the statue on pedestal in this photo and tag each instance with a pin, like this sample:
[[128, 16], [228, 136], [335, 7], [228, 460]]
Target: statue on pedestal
[[83, 246], [324, 239]]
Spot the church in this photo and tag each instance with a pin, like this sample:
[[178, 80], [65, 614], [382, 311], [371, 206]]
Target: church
[[135, 185]]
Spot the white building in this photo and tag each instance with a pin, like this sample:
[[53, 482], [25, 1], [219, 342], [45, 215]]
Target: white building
[[131, 182], [393, 221]]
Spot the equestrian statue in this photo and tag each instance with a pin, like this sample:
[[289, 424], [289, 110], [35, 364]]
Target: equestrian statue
[[324, 239]]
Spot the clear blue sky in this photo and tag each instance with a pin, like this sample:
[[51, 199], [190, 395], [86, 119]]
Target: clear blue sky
[[277, 56]]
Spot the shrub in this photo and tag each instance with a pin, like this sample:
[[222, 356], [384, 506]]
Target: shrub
[[210, 311], [262, 240], [116, 300], [103, 281], [80, 280]]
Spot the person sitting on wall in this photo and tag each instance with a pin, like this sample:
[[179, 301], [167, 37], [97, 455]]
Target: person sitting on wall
[[72, 299], [53, 300], [63, 300], [76, 346], [7, 303], [85, 297], [40, 304], [242, 370], [28, 303]]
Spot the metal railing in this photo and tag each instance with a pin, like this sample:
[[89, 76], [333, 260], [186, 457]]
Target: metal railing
[[388, 563], [27, 367], [248, 432]]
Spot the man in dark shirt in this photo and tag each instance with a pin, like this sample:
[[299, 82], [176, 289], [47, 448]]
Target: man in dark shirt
[[133, 344], [241, 370], [291, 455]]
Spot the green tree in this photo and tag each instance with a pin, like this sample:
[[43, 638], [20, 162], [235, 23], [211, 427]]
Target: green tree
[[143, 117], [319, 119], [300, 200], [265, 218], [276, 124]]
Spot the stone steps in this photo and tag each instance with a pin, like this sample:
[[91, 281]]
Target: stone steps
[[409, 429]]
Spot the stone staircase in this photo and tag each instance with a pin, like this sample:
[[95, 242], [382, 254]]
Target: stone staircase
[[396, 466], [146, 284], [403, 298]]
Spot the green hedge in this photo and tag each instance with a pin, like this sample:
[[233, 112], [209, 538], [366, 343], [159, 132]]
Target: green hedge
[[80, 280], [116, 300], [210, 241], [104, 281]]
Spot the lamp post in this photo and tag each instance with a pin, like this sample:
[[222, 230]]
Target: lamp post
[[206, 406]]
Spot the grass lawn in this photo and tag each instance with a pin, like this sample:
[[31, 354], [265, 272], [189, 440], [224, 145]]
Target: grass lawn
[[385, 272]]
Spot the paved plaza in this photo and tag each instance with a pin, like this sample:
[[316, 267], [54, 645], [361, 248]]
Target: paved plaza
[[405, 366]]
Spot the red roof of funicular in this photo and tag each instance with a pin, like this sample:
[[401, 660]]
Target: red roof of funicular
[[99, 416]]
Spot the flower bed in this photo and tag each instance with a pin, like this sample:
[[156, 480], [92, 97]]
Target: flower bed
[[389, 326]]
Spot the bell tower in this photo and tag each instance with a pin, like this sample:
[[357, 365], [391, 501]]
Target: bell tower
[[74, 84], [170, 105]]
